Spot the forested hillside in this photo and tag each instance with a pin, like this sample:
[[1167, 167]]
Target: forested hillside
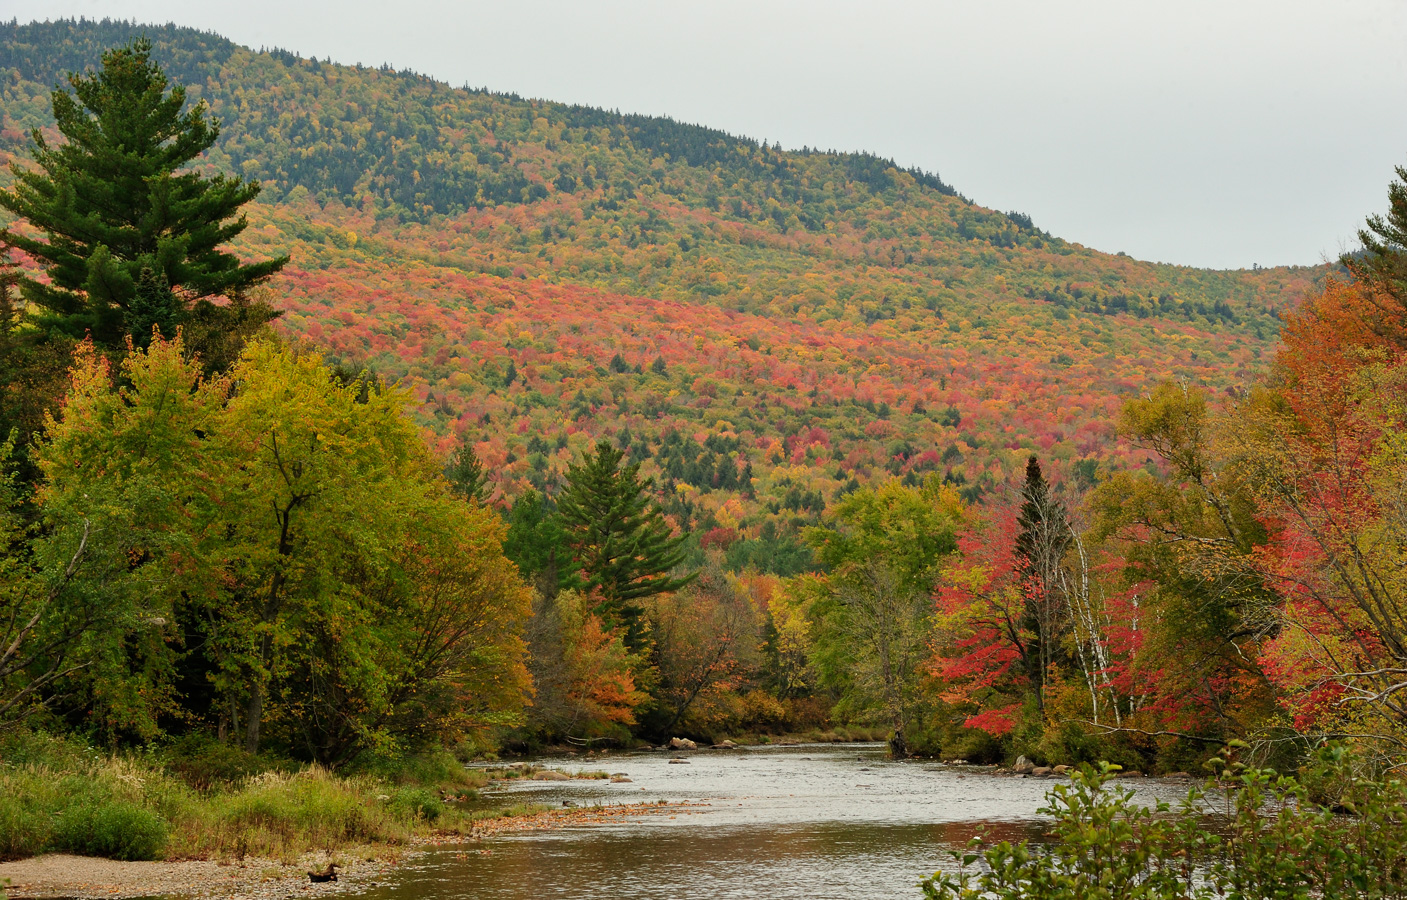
[[581, 428], [764, 330]]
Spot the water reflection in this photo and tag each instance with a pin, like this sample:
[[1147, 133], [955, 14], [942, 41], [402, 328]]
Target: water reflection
[[813, 822]]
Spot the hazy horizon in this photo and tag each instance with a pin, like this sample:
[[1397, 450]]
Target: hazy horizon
[[1210, 134]]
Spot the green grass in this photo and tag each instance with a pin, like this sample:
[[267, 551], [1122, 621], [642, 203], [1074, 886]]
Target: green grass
[[59, 795]]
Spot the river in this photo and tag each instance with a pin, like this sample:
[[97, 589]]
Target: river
[[809, 821]]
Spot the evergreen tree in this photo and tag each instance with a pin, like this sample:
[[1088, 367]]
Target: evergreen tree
[[466, 474], [537, 543], [128, 239], [1040, 552], [1383, 264], [619, 538]]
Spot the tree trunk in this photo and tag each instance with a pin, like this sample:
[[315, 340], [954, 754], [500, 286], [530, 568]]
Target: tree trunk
[[254, 712]]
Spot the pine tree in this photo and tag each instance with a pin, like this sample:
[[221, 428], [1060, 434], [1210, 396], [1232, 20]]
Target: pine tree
[[537, 544], [1040, 552], [1383, 263], [112, 202], [619, 538], [466, 474]]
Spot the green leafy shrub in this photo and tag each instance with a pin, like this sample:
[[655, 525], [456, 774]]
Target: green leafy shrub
[[115, 830], [1251, 835], [418, 803]]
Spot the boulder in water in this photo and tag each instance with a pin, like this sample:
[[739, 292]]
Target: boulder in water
[[1023, 766], [682, 744]]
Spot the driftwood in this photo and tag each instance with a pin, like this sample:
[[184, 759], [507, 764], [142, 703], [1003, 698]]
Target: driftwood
[[328, 874]]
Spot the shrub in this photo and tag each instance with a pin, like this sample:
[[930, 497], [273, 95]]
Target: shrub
[[1254, 834], [203, 763], [24, 829], [418, 803], [115, 830]]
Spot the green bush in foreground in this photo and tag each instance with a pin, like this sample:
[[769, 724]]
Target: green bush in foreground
[[114, 830], [1256, 835]]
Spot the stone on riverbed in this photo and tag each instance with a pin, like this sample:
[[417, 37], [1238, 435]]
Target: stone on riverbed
[[678, 762], [1041, 771], [619, 779], [1060, 770], [682, 744], [725, 745], [1023, 766]]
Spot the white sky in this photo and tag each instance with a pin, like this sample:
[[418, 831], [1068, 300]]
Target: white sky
[[1190, 131]]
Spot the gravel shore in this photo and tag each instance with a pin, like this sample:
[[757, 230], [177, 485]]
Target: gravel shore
[[61, 875]]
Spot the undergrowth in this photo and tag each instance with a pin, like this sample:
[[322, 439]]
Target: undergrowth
[[215, 802]]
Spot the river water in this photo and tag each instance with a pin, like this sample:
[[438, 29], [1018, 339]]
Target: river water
[[810, 821]]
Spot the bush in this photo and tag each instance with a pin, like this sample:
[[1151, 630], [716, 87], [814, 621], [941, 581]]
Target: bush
[[1252, 835], [203, 763], [115, 830], [418, 803], [24, 830]]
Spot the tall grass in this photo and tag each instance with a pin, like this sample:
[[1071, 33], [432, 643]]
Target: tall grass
[[58, 795]]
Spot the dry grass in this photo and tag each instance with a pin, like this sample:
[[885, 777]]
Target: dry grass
[[46, 782]]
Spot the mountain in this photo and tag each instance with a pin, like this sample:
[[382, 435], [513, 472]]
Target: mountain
[[765, 329]]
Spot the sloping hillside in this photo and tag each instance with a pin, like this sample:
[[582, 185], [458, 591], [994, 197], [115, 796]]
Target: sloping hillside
[[764, 327]]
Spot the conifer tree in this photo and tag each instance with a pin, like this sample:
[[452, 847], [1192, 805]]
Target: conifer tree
[[537, 544], [619, 538], [1383, 264], [466, 474], [129, 239], [1040, 552]]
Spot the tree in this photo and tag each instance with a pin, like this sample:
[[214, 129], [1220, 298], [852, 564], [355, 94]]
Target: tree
[[129, 240], [881, 549], [537, 543], [1186, 539], [706, 638], [619, 539], [1041, 544], [583, 676], [299, 530], [1382, 266], [466, 474]]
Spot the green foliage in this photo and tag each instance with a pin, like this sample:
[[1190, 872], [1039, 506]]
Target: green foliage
[[115, 830], [1383, 261], [1253, 835], [419, 803], [870, 611], [204, 763], [301, 527], [618, 537], [537, 543], [129, 237], [466, 474]]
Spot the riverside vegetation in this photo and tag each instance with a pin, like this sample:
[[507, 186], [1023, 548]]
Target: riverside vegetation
[[230, 551]]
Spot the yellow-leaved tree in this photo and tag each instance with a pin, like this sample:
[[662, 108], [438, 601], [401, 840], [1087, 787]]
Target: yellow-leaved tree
[[312, 571]]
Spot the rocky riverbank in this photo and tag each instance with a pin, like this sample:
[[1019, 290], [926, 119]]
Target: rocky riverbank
[[56, 875]]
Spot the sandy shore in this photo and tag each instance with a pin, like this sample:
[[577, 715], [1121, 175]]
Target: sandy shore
[[87, 878]]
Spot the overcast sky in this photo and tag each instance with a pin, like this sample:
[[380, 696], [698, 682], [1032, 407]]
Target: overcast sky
[[1209, 132]]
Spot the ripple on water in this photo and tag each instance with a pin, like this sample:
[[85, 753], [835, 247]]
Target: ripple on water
[[798, 822]]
